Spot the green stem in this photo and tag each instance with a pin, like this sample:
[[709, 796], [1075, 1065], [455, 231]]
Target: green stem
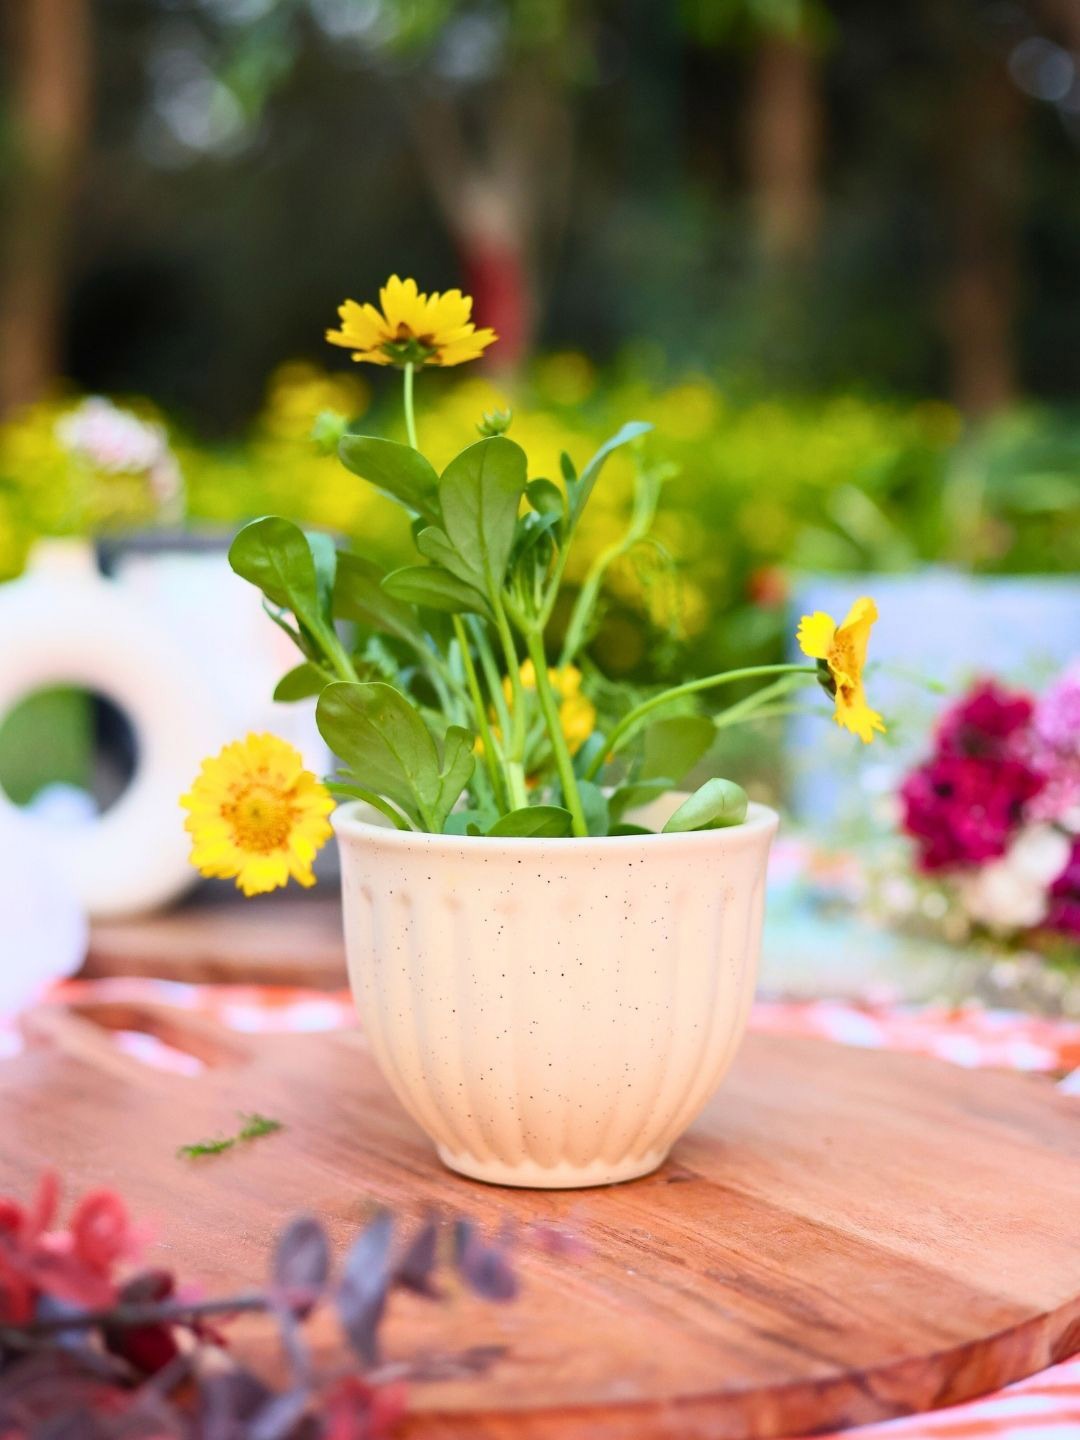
[[491, 674], [748, 707], [491, 761], [630, 722], [637, 531], [410, 416], [554, 583], [770, 712], [586, 600], [334, 651], [534, 640], [515, 760]]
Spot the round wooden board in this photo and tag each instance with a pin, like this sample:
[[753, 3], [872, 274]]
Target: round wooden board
[[843, 1236], [221, 940]]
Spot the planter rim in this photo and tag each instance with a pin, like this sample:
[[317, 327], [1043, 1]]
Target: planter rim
[[347, 823]]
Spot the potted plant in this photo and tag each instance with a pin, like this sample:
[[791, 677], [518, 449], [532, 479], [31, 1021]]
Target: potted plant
[[552, 949]]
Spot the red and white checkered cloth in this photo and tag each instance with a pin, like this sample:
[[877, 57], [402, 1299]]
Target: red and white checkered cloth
[[1044, 1407]]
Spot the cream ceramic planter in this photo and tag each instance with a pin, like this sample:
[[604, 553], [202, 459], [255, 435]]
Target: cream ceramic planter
[[553, 1013]]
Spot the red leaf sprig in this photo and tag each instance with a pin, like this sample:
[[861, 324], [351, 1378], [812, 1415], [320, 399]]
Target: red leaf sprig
[[87, 1349]]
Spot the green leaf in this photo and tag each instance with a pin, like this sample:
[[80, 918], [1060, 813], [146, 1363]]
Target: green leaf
[[595, 745], [543, 822], [480, 492], [458, 763], [580, 489], [380, 736], [377, 802], [435, 588], [546, 498], [717, 803], [395, 470], [255, 1126], [434, 544], [300, 683], [594, 804], [359, 596], [624, 829], [675, 745], [636, 794], [459, 821], [531, 528], [274, 555], [325, 558], [301, 642]]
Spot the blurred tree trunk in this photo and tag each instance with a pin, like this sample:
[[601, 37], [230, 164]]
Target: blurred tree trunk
[[49, 57], [499, 167], [1063, 17], [980, 148], [785, 125]]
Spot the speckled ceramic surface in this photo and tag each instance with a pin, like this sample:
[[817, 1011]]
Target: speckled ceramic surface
[[553, 1013]]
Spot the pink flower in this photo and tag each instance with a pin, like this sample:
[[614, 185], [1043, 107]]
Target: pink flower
[[74, 1266], [1055, 748], [989, 721], [353, 1409], [1057, 716], [1064, 912], [102, 1232], [963, 809]]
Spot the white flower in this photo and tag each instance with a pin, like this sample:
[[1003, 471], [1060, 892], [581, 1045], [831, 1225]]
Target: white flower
[[111, 439], [1011, 893]]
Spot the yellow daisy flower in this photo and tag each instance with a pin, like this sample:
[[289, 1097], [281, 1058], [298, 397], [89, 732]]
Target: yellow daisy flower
[[840, 651], [256, 815], [411, 327], [577, 713]]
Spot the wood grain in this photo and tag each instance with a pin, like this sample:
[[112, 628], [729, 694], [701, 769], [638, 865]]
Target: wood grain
[[286, 940], [844, 1236]]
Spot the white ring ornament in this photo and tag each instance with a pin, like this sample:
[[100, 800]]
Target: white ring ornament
[[64, 624]]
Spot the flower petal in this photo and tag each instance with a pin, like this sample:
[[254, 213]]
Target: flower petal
[[815, 634]]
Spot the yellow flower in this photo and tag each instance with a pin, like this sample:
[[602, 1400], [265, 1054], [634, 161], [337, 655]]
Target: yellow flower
[[424, 329], [577, 713], [841, 649], [256, 815]]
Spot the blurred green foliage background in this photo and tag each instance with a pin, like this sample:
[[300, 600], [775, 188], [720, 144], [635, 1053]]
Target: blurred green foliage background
[[828, 247]]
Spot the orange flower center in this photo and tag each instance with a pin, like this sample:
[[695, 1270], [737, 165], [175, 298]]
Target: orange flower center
[[260, 817], [844, 666]]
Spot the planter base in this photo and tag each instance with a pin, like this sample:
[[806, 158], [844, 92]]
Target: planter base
[[529, 1175]]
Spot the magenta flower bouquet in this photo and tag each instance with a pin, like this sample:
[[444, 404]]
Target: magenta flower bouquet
[[994, 811]]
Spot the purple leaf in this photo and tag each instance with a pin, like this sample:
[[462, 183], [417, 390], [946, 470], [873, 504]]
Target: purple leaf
[[484, 1267], [228, 1399], [279, 1417], [417, 1265], [301, 1264], [361, 1297], [80, 1424]]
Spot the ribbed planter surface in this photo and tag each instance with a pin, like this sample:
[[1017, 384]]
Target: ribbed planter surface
[[553, 1012]]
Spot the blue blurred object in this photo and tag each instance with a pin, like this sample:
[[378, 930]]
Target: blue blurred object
[[938, 627]]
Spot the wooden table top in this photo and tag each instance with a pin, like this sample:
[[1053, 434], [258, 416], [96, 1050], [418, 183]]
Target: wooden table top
[[843, 1236]]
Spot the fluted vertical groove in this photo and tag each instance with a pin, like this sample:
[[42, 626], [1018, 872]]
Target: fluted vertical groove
[[365, 973], [433, 1058], [639, 1140], [554, 1013]]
